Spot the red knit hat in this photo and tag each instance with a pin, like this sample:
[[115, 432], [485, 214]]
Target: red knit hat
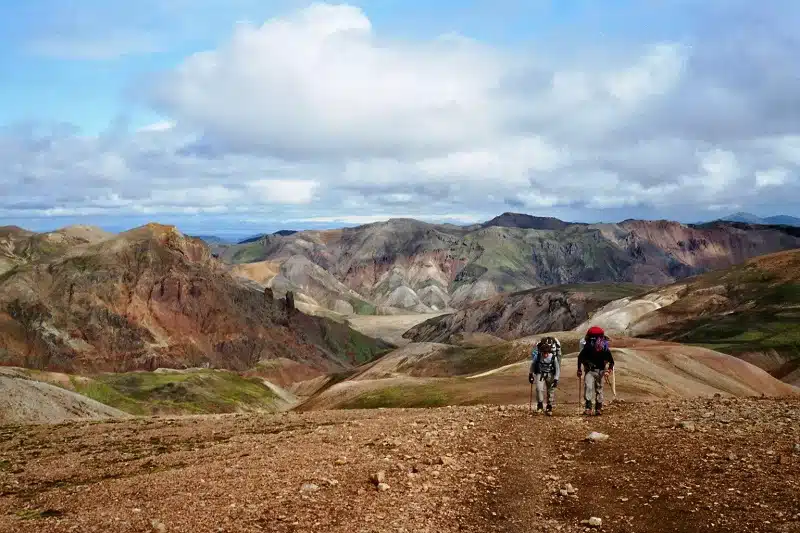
[[595, 331]]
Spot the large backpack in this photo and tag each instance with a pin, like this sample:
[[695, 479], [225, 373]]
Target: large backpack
[[547, 345], [596, 338], [598, 343]]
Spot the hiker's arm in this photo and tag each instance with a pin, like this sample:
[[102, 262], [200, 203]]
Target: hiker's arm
[[580, 360], [610, 359], [558, 367]]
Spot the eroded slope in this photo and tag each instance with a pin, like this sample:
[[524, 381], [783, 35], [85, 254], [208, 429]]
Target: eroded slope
[[151, 298]]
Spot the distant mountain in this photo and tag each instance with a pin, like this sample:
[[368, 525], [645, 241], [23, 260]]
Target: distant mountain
[[523, 221], [256, 238], [211, 239], [413, 266], [784, 220], [749, 218]]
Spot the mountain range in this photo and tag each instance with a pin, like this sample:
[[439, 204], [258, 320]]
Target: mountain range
[[81, 299], [750, 218], [405, 265]]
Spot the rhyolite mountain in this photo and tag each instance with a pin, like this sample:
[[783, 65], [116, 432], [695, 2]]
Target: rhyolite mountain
[[751, 310], [405, 265], [80, 300], [525, 313]]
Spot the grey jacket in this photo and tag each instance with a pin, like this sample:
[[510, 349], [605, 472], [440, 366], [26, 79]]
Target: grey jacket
[[552, 358]]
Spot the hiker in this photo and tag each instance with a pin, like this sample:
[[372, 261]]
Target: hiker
[[545, 371], [593, 358]]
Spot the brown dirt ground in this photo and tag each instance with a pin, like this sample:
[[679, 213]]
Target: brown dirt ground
[[451, 469]]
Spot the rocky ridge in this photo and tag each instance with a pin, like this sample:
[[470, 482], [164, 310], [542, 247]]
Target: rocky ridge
[[412, 266]]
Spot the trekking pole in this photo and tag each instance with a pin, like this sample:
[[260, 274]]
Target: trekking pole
[[531, 402]]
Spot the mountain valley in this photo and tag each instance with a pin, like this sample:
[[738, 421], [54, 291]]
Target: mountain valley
[[308, 386]]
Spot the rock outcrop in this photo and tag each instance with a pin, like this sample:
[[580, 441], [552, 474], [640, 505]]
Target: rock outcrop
[[522, 314]]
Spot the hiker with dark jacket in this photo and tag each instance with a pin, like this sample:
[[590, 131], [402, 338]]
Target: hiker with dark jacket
[[593, 358], [545, 371]]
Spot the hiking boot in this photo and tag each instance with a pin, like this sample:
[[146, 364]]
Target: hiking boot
[[587, 412], [539, 408], [598, 410], [549, 411]]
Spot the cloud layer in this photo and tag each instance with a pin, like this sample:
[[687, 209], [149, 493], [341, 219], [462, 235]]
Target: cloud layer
[[314, 115]]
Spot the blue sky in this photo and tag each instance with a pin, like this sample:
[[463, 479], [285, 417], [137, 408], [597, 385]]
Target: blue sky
[[239, 116]]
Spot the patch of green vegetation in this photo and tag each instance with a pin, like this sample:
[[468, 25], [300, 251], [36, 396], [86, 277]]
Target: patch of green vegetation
[[469, 274], [508, 251], [10, 273], [84, 263], [248, 253], [106, 394], [460, 361], [268, 364], [601, 291], [349, 345], [42, 248], [206, 391], [362, 349], [737, 333], [363, 308], [429, 395]]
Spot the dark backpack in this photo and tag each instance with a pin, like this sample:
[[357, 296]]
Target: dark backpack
[[598, 343]]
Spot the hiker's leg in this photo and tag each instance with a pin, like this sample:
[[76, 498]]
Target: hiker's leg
[[540, 389], [588, 388], [599, 389], [551, 391]]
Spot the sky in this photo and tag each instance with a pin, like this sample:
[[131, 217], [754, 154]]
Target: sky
[[234, 117]]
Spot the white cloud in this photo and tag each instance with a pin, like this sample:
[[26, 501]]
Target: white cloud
[[788, 148], [320, 82], [278, 191], [316, 117], [656, 73], [719, 168], [538, 199], [772, 177]]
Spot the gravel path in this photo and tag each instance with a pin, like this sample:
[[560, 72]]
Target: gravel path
[[735, 466]]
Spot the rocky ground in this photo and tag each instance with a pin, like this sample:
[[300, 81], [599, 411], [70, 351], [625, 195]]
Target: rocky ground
[[702, 465]]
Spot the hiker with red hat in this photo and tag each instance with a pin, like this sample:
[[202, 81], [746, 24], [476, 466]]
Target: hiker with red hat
[[593, 359]]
